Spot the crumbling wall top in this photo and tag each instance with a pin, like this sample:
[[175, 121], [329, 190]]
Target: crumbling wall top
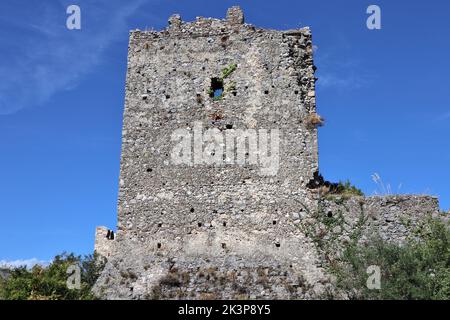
[[208, 27], [235, 15]]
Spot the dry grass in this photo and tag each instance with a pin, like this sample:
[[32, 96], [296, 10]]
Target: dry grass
[[216, 116], [208, 296], [170, 280], [313, 120]]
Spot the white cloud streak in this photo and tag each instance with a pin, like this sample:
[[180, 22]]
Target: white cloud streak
[[46, 57]]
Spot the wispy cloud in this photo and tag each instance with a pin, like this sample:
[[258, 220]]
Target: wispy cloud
[[348, 81], [29, 263], [340, 71], [42, 57]]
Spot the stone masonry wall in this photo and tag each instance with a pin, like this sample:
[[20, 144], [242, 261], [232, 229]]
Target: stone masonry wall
[[104, 241], [208, 227], [183, 206], [327, 228]]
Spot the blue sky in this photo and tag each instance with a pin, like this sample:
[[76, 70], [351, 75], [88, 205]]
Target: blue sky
[[384, 94]]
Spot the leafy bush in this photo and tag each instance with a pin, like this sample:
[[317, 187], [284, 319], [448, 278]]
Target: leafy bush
[[346, 189], [327, 188], [50, 282], [415, 270]]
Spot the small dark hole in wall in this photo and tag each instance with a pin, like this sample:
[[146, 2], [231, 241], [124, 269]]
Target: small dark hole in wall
[[234, 93], [216, 89], [274, 222], [224, 245], [229, 126], [158, 245], [110, 235], [149, 169], [199, 224], [159, 225], [192, 210], [296, 91], [277, 245], [224, 224], [266, 92], [329, 214], [242, 210]]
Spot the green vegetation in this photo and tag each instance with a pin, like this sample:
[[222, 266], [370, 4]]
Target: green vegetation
[[50, 282], [327, 189], [218, 83], [228, 70], [346, 189], [416, 270]]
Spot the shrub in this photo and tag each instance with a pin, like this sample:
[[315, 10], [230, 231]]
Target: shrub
[[50, 282], [346, 189], [415, 270], [313, 120], [228, 70]]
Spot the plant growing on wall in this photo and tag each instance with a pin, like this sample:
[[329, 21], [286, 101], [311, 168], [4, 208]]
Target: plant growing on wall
[[217, 89]]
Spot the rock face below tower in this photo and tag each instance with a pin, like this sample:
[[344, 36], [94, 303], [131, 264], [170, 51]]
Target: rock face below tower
[[219, 143]]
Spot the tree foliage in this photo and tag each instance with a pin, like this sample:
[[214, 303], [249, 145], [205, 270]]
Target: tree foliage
[[415, 270], [50, 282]]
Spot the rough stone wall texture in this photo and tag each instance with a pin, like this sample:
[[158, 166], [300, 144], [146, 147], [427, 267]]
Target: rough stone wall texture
[[104, 241], [179, 207], [223, 230], [396, 218], [135, 272]]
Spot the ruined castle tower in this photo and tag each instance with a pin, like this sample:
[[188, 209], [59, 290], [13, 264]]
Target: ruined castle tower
[[215, 77], [219, 142]]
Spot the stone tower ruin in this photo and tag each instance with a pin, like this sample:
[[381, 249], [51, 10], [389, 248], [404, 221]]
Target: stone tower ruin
[[219, 142]]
